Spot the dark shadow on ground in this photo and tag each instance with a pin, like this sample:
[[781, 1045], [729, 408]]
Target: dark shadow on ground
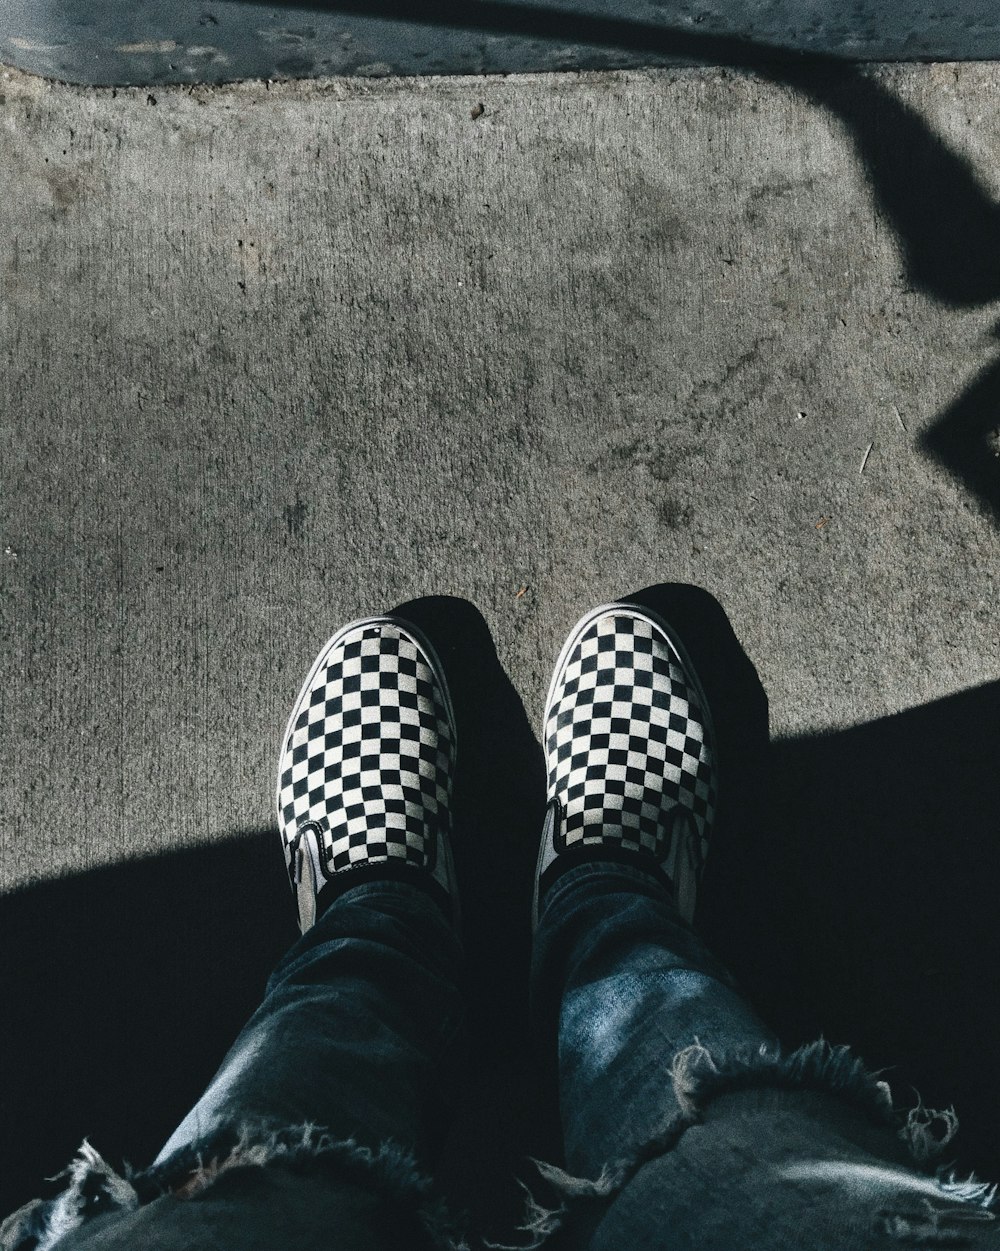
[[852, 889], [966, 439], [122, 989], [874, 880], [499, 794]]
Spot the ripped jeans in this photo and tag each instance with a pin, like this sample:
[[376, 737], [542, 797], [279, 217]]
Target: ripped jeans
[[684, 1124], [361, 1030]]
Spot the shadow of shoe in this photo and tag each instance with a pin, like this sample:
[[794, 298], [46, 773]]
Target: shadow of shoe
[[740, 717], [509, 1107]]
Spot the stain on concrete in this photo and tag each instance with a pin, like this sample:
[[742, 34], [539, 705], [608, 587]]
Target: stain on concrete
[[295, 517], [374, 69], [148, 45], [294, 67], [30, 45], [673, 515], [65, 187], [760, 204], [666, 461]]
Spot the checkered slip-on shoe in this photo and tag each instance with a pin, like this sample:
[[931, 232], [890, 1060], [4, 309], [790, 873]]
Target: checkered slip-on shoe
[[365, 776], [629, 752]]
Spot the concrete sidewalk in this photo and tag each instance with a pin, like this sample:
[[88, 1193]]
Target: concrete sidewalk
[[274, 356]]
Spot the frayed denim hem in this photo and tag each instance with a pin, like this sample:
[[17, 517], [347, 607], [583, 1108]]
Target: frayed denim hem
[[818, 1066], [95, 1189]]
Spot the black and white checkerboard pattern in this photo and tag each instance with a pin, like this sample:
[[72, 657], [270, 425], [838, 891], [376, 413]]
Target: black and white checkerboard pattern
[[369, 754], [626, 740]]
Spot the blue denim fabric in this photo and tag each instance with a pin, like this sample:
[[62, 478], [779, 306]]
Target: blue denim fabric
[[632, 985], [361, 1030], [684, 1125]]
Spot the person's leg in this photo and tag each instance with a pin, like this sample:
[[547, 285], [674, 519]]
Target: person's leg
[[682, 1117], [360, 1030], [362, 1021], [326, 1114], [634, 986], [617, 970]]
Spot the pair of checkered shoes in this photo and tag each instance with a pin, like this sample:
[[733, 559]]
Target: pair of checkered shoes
[[368, 756]]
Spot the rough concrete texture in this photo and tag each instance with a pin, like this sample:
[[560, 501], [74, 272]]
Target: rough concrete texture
[[276, 356]]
